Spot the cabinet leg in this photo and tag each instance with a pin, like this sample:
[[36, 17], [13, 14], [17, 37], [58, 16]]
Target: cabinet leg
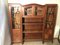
[[52, 41], [22, 42], [43, 42], [11, 43]]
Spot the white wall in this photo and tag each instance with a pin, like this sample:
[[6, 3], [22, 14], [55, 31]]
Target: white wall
[[4, 31]]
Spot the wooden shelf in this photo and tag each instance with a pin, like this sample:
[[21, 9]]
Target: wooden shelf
[[36, 16], [32, 31], [32, 23], [33, 20], [33, 39]]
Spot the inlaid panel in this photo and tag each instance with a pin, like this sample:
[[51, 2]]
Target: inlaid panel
[[48, 34], [16, 36]]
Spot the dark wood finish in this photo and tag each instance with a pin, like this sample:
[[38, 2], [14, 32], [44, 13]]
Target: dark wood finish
[[32, 22], [50, 21]]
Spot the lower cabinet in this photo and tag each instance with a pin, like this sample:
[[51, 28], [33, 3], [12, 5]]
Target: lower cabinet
[[48, 34], [16, 35]]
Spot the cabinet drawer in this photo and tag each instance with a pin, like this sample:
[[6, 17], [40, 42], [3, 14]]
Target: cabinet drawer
[[16, 36]]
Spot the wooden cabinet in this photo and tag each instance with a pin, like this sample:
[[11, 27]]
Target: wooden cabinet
[[15, 17], [50, 21], [32, 22]]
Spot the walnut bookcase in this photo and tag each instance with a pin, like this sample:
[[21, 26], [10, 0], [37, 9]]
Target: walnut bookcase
[[32, 22]]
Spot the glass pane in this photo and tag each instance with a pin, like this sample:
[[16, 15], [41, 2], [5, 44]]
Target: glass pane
[[15, 17], [51, 11], [35, 11], [12, 15], [29, 11], [25, 11], [40, 11]]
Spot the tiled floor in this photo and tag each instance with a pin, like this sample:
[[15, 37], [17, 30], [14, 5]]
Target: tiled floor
[[55, 42]]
